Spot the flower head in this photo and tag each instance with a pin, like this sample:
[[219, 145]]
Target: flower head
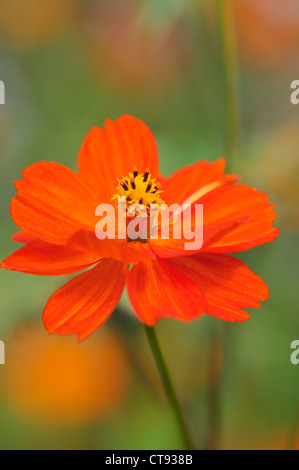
[[55, 210]]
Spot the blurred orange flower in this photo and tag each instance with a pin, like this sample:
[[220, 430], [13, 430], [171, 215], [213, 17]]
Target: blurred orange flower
[[276, 171], [283, 443], [268, 31], [61, 382], [55, 207], [30, 24], [134, 52]]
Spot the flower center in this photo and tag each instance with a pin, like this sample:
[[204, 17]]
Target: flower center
[[139, 189]]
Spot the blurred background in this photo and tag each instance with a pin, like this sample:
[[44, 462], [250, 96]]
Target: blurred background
[[211, 79]]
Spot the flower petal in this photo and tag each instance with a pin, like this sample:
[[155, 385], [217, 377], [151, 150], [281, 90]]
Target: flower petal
[[53, 203], [175, 245], [235, 218], [121, 250], [44, 259], [87, 301], [158, 290], [227, 283], [233, 202], [113, 152], [22, 237], [183, 183]]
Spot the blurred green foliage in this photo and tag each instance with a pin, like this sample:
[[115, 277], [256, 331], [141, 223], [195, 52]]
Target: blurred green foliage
[[54, 95]]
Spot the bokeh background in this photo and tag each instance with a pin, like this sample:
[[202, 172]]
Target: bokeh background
[[211, 79]]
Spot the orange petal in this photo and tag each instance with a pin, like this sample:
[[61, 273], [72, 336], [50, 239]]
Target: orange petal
[[158, 290], [236, 202], [53, 203], [121, 250], [113, 152], [172, 247], [227, 283], [87, 301], [44, 259], [235, 218], [183, 183], [22, 237]]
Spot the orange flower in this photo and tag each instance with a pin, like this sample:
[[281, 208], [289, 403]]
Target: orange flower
[[58, 382], [268, 32], [27, 25], [127, 51], [55, 208]]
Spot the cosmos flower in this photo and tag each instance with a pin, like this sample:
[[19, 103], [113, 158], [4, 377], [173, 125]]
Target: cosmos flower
[[55, 210]]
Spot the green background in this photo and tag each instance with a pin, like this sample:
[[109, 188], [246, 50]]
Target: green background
[[57, 88]]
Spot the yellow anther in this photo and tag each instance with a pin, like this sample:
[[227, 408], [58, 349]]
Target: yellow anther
[[139, 189]]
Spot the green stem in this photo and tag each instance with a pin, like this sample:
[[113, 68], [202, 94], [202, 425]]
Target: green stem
[[168, 386], [219, 341], [219, 337], [214, 391]]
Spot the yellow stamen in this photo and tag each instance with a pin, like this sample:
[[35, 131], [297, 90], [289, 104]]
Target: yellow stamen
[[139, 189]]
